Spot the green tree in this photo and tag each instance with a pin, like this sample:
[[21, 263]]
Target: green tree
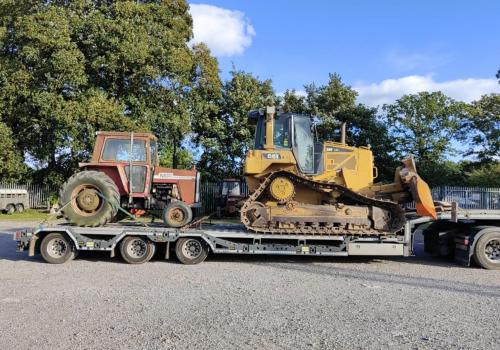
[[425, 124], [292, 102], [184, 158], [11, 164], [333, 103], [69, 68], [486, 175], [224, 134], [482, 128]]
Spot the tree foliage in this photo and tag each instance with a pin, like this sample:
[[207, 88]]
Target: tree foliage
[[70, 68], [425, 124], [11, 165], [224, 133], [482, 128]]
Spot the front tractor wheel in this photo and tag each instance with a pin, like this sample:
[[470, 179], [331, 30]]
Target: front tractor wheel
[[177, 214], [81, 199]]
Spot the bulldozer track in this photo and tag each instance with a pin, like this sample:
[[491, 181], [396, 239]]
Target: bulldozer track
[[304, 227]]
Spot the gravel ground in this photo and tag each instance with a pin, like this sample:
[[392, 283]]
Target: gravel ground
[[252, 302]]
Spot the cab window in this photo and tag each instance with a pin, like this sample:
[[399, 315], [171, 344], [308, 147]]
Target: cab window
[[281, 137], [119, 150]]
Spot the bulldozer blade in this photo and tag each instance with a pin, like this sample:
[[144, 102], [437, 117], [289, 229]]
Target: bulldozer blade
[[423, 198], [420, 190]]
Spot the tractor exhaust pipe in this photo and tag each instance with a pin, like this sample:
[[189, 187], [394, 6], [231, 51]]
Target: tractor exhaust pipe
[[343, 131]]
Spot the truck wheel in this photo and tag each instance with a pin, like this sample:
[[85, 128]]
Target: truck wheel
[[56, 248], [487, 251], [137, 250], [191, 251], [86, 207], [10, 209], [20, 207], [177, 214]]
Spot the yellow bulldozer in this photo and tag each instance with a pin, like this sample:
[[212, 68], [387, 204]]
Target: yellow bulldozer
[[299, 185]]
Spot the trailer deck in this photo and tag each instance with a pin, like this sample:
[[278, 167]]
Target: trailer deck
[[192, 245]]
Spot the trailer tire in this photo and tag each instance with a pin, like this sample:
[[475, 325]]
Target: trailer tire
[[136, 249], [20, 207], [84, 207], [57, 248], [177, 214], [191, 251], [10, 209], [487, 251]]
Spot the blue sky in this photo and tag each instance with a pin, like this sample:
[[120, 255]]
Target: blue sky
[[382, 48]]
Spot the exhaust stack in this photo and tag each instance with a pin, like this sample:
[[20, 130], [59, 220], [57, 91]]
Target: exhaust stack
[[343, 130]]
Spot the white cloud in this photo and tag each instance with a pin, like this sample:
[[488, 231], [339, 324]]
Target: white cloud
[[226, 32], [387, 91], [417, 60]]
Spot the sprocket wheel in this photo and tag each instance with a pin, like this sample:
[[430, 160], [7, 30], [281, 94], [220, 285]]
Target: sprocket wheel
[[282, 189]]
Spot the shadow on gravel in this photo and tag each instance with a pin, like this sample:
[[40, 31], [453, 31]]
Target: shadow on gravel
[[8, 250], [382, 277]]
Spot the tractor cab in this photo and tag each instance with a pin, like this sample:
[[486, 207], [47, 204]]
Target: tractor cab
[[124, 150]]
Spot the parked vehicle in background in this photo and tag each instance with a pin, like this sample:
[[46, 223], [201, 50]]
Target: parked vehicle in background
[[13, 200], [229, 198]]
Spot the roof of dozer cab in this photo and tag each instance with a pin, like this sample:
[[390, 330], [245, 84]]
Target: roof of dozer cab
[[255, 114], [125, 134]]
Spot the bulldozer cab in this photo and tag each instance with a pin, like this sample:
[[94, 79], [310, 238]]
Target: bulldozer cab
[[293, 132]]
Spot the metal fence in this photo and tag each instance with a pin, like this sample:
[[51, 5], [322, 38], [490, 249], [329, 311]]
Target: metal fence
[[469, 197], [466, 197], [38, 195], [208, 194]]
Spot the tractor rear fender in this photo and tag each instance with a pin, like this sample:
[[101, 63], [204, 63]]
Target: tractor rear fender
[[115, 172]]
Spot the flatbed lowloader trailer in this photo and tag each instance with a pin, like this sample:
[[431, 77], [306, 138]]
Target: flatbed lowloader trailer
[[466, 235]]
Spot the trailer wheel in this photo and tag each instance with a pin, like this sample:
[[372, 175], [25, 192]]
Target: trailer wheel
[[177, 214], [56, 248], [137, 250], [20, 207], [191, 251], [10, 209], [487, 251]]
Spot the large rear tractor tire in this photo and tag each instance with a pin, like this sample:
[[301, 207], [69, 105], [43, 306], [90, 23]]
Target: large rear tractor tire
[[84, 206], [177, 214]]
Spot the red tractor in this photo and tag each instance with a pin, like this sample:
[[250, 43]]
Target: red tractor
[[124, 172]]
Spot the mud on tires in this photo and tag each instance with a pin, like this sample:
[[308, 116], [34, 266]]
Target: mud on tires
[[84, 207]]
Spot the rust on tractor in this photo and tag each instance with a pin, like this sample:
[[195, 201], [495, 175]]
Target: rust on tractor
[[124, 168]]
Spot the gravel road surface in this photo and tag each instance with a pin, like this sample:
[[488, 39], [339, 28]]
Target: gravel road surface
[[252, 302]]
